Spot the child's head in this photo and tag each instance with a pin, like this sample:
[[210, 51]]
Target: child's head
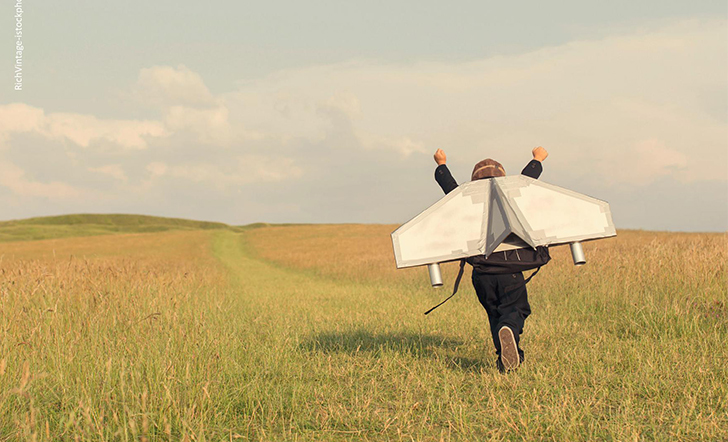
[[488, 168]]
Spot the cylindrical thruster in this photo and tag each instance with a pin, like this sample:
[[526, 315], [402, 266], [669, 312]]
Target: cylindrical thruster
[[577, 253], [435, 275]]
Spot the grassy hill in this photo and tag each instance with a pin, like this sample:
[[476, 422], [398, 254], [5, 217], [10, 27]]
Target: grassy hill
[[65, 226]]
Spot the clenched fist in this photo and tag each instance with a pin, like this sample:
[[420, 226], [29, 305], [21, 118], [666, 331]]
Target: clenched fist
[[539, 153], [440, 157]]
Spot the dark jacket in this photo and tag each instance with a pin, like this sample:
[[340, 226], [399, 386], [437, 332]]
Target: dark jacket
[[501, 262], [447, 182]]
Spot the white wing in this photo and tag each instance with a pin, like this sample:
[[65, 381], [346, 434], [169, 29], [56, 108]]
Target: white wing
[[483, 216], [452, 228], [552, 215]]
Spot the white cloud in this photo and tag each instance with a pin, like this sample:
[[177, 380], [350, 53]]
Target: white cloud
[[166, 86], [19, 117], [79, 129], [240, 170], [345, 102], [647, 161], [86, 129], [209, 126], [404, 146], [634, 109], [15, 179], [588, 102], [268, 168], [157, 168], [188, 107], [112, 170]]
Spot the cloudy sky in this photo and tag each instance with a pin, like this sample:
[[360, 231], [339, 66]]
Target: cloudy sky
[[330, 111]]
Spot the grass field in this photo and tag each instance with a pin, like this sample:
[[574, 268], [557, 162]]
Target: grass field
[[198, 332], [66, 226]]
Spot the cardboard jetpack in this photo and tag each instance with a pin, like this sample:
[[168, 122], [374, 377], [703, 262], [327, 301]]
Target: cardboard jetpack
[[491, 215]]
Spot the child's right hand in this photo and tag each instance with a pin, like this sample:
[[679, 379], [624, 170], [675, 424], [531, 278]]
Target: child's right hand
[[440, 157], [539, 153]]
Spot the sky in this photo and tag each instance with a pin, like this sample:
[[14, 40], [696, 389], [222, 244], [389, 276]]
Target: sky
[[330, 111]]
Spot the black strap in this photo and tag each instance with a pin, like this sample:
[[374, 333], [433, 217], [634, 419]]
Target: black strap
[[457, 284], [532, 275], [454, 290]]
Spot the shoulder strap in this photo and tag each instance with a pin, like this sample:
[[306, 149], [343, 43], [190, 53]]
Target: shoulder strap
[[532, 275], [457, 284], [454, 290]]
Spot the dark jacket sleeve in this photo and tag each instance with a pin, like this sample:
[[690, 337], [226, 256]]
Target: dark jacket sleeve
[[533, 169], [444, 179]]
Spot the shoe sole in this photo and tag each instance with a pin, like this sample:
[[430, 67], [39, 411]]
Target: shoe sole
[[509, 350]]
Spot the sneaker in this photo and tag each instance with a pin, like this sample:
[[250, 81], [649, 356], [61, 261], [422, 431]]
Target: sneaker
[[510, 359], [499, 365]]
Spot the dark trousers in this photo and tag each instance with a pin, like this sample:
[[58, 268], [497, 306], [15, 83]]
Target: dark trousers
[[505, 299]]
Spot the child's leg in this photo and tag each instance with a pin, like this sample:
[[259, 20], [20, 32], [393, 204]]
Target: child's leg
[[512, 305], [486, 287]]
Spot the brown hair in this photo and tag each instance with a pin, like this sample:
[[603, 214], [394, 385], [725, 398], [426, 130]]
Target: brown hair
[[488, 168]]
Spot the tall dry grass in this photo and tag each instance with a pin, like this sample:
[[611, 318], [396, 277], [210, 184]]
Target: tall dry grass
[[690, 264], [310, 333], [105, 337]]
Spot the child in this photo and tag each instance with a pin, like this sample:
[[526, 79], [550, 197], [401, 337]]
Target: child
[[502, 293]]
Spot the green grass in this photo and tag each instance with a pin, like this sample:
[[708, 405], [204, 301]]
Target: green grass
[[67, 226], [308, 333], [116, 220]]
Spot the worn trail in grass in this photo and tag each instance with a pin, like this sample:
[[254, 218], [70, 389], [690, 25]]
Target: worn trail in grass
[[332, 359]]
